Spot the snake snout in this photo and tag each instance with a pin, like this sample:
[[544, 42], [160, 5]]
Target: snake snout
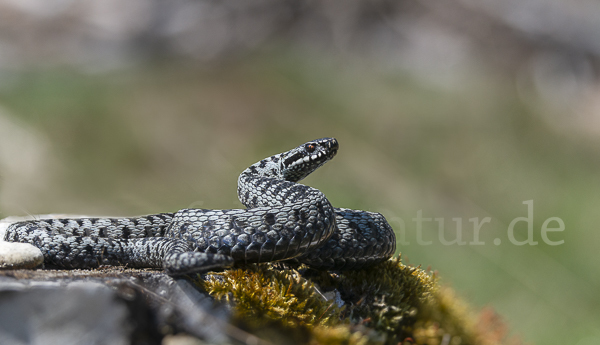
[[328, 146]]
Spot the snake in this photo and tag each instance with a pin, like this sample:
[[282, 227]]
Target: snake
[[283, 221]]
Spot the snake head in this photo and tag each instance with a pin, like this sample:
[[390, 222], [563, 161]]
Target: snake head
[[298, 163]]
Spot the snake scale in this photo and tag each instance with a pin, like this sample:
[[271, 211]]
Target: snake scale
[[283, 220]]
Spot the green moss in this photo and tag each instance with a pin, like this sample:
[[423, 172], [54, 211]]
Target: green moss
[[261, 293], [386, 297], [268, 300], [389, 303]]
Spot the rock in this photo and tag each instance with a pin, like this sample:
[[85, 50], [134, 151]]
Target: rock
[[41, 315], [19, 255], [181, 339], [106, 306]]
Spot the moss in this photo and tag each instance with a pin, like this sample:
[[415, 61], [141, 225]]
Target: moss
[[386, 297], [261, 293], [390, 303]]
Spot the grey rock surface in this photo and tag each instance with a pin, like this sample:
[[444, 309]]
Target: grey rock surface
[[106, 306], [47, 315]]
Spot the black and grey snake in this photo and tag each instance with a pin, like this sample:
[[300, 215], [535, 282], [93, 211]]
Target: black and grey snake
[[283, 220]]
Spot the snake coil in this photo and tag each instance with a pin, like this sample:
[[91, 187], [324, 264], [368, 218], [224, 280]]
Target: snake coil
[[283, 220]]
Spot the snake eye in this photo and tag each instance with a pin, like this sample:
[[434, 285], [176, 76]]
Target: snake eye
[[310, 148]]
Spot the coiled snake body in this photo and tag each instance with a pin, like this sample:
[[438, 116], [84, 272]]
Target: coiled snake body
[[283, 220]]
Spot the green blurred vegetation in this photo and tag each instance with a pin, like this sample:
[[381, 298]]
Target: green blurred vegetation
[[174, 135]]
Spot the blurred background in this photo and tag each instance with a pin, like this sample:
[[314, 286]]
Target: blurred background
[[453, 110]]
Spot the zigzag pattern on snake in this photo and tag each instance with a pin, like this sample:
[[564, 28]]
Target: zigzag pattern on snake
[[283, 220]]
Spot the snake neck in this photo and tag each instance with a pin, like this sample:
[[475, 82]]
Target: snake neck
[[272, 181], [269, 167], [260, 191]]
